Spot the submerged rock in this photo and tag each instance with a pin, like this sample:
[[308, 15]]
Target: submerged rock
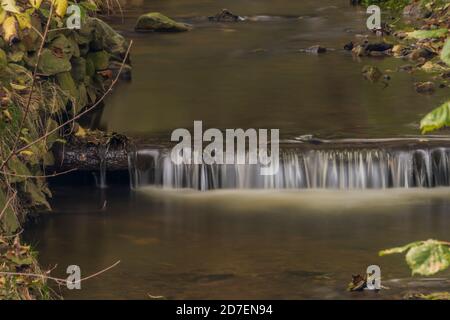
[[427, 87], [371, 73], [155, 21], [225, 16], [315, 49]]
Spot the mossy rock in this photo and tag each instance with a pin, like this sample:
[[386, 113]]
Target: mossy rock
[[155, 21], [51, 64], [62, 47], [67, 84], [78, 69], [100, 59]]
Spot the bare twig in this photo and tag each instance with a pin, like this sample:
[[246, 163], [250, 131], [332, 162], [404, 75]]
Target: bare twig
[[43, 176], [60, 281], [7, 204]]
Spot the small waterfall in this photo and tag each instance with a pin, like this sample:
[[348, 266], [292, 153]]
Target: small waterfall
[[331, 169]]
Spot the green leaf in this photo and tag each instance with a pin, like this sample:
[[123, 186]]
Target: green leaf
[[436, 119], [428, 258], [445, 53], [427, 34]]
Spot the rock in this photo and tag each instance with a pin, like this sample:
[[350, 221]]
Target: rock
[[99, 59], [424, 87], [359, 51], [155, 21], [315, 49], [381, 46], [399, 50], [406, 68], [62, 47], [78, 69], [107, 38], [225, 16], [349, 46], [371, 73], [51, 64], [65, 81], [416, 10], [421, 53]]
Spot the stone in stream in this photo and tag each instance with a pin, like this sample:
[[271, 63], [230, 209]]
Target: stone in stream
[[371, 73], [427, 87], [225, 16], [157, 22], [315, 49], [421, 53]]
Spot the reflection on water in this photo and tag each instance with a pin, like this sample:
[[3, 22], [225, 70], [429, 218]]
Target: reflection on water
[[238, 244], [252, 74]]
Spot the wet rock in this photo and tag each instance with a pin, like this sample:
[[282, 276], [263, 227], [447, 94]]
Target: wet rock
[[421, 53], [427, 87], [315, 49], [379, 47], [372, 49], [400, 50], [155, 21], [349, 46], [371, 73], [225, 16], [406, 68]]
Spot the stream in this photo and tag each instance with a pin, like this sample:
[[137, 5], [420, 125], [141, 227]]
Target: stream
[[226, 233]]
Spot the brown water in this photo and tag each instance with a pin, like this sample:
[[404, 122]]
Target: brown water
[[240, 243], [251, 74]]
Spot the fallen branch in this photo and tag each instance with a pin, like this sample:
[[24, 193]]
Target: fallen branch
[[59, 281]]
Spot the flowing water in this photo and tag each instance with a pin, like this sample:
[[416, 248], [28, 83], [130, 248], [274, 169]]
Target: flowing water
[[208, 232]]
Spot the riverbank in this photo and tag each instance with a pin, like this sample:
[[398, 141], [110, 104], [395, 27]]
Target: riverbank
[[51, 76]]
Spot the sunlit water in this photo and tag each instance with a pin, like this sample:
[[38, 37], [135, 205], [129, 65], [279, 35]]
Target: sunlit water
[[240, 243]]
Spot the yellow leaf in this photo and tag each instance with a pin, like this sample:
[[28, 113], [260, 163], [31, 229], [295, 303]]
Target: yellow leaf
[[35, 3], [61, 7], [10, 6], [7, 114], [18, 86], [27, 153], [2, 15], [80, 132], [10, 29], [24, 20]]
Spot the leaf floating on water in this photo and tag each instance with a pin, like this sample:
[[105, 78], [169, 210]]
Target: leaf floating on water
[[436, 119], [428, 258], [424, 257]]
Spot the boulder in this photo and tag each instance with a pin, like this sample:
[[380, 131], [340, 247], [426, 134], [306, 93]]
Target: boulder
[[315, 49], [225, 16], [50, 63], [155, 21], [100, 59]]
